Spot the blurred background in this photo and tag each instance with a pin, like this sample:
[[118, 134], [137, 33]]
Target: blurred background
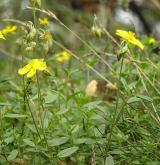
[[140, 16]]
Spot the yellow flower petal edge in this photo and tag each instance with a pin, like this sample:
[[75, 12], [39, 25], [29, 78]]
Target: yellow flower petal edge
[[24, 70], [1, 36], [151, 40], [62, 56], [129, 37], [32, 66], [31, 73], [9, 29]]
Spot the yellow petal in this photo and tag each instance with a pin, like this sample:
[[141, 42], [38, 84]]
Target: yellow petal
[[152, 40], [1, 36], [66, 56], [139, 44], [24, 70], [38, 64], [31, 73], [122, 33], [43, 21], [136, 42], [62, 56], [9, 29], [60, 59], [41, 65]]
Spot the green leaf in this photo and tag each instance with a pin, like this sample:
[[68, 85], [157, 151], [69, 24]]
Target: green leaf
[[6, 104], [39, 2], [57, 141], [67, 152], [50, 98], [122, 51], [146, 98], [80, 140], [3, 80], [90, 141], [133, 100], [15, 86], [63, 111], [125, 85], [12, 115], [29, 142], [9, 139], [109, 161], [47, 115], [32, 128], [13, 154], [92, 104]]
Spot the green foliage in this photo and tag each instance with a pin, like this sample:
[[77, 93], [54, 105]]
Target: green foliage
[[50, 119]]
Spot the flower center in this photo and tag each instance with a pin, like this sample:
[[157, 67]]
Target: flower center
[[131, 35]]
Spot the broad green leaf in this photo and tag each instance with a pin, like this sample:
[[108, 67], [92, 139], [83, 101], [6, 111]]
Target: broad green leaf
[[29, 142], [12, 155], [32, 128], [76, 130], [98, 118], [80, 140], [50, 98], [90, 141], [109, 161], [12, 115], [67, 152], [57, 141], [133, 100], [10, 139]]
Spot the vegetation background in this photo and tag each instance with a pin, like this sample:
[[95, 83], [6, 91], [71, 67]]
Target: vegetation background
[[93, 95]]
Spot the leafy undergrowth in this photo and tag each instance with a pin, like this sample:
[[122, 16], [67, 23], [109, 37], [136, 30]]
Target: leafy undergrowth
[[49, 115]]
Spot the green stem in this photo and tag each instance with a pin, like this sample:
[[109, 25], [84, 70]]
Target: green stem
[[27, 100], [116, 114], [40, 105]]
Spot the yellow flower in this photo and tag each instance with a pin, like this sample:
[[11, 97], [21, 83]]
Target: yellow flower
[[47, 36], [62, 56], [152, 40], [31, 68], [1, 36], [9, 29], [43, 21], [129, 37]]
